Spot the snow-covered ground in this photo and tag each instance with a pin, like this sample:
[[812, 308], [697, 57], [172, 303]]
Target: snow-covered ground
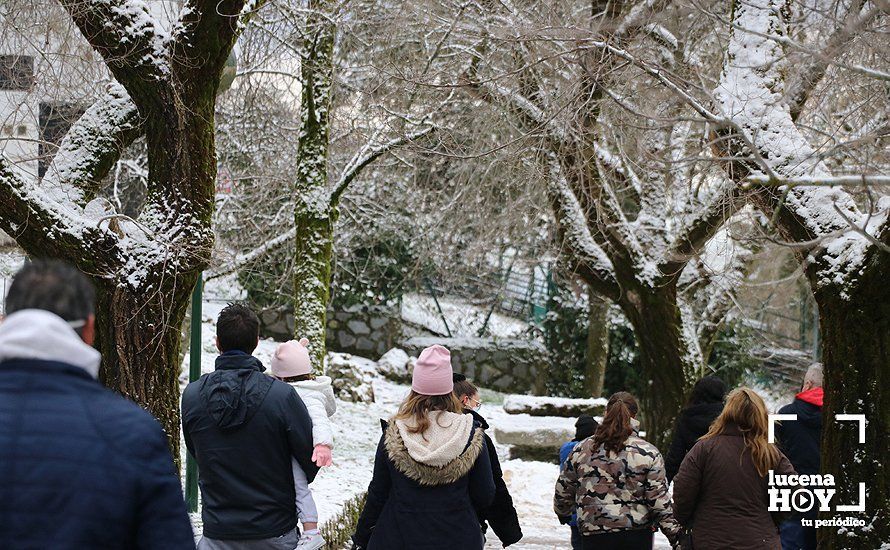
[[464, 318], [357, 432]]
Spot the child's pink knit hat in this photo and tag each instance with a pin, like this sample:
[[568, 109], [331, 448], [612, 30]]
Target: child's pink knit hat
[[432, 372], [291, 359]]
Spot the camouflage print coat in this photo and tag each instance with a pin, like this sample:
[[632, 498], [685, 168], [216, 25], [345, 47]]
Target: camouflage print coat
[[615, 492]]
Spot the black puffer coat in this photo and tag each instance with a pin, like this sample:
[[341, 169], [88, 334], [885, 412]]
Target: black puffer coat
[[501, 515], [693, 423], [412, 505]]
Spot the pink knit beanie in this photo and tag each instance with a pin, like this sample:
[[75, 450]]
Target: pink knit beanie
[[432, 372], [291, 359]]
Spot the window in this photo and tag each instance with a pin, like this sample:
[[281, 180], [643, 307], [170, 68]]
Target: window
[[55, 119], [16, 72]]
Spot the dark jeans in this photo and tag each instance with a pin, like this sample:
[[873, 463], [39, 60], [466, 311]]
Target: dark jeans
[[577, 542], [637, 539], [797, 537]]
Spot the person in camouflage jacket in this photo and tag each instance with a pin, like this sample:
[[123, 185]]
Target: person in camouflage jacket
[[615, 482]]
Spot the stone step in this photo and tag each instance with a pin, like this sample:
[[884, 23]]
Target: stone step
[[554, 406]]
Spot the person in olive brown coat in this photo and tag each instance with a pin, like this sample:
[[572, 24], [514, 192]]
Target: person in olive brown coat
[[720, 492]]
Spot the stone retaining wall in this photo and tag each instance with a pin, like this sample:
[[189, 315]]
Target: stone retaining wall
[[366, 331], [512, 366], [515, 366]]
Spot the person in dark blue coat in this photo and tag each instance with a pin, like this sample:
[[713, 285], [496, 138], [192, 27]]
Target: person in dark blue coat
[[80, 466], [243, 427], [800, 441], [585, 427], [501, 515], [431, 470]]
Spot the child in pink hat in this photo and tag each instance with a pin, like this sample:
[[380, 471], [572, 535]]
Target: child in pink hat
[[291, 364]]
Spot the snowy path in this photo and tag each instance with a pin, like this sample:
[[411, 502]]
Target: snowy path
[[357, 432]]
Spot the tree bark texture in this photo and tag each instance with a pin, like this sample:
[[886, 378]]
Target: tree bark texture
[[658, 331], [856, 358], [597, 345], [315, 212], [139, 338]]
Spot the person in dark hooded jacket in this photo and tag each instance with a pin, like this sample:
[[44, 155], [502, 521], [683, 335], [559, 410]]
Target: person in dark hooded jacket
[[431, 471], [243, 427], [501, 515], [705, 404], [799, 440]]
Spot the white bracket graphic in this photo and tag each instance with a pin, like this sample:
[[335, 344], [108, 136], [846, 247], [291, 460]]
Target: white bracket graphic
[[855, 417], [854, 507], [771, 431], [771, 434]]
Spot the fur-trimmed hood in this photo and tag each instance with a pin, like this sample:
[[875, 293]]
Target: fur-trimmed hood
[[442, 455]]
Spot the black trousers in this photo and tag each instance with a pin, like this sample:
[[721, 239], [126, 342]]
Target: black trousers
[[637, 539]]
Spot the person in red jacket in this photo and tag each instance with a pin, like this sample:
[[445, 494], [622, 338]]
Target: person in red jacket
[[799, 440]]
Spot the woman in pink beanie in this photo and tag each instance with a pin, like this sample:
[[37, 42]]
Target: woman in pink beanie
[[431, 472]]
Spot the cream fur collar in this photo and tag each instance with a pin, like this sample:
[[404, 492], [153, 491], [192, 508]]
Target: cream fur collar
[[448, 453], [444, 440]]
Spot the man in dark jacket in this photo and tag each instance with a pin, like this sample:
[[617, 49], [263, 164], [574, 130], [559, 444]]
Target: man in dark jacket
[[799, 440], [80, 466], [243, 428]]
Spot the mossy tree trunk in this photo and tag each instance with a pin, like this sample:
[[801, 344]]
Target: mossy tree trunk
[[316, 210], [144, 269], [855, 331], [597, 345]]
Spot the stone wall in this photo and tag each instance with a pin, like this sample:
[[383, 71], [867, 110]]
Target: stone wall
[[512, 366], [515, 366], [366, 331]]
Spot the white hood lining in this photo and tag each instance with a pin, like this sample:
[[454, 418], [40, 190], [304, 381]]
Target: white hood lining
[[39, 334], [444, 440]]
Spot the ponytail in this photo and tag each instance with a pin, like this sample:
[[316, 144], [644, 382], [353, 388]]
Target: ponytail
[[616, 425]]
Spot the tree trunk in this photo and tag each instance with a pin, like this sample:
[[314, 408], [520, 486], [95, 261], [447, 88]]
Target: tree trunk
[[597, 345], [138, 334], [664, 360], [856, 357], [312, 281], [315, 213]]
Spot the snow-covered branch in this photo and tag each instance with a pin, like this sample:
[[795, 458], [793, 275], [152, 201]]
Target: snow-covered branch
[[37, 220], [751, 93], [582, 252], [124, 32], [693, 236], [865, 180], [369, 154], [92, 145], [810, 72]]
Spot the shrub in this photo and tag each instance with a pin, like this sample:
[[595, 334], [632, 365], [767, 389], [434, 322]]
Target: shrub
[[338, 530]]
